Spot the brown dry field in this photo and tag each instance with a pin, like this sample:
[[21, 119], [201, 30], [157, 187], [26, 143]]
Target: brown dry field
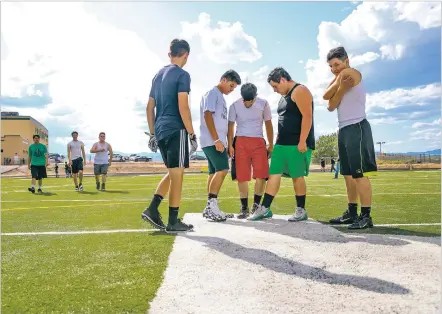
[[195, 166]]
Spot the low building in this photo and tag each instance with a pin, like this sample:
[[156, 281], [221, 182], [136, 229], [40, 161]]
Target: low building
[[16, 136]]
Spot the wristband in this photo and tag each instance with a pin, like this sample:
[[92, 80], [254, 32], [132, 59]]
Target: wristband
[[218, 140]]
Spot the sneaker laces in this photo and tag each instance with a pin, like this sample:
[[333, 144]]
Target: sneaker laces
[[299, 211]]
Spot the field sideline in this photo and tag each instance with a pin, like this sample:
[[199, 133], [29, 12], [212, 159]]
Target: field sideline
[[92, 253]]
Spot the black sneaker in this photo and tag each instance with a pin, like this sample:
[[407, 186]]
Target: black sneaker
[[346, 218], [39, 191], [98, 185], [179, 226], [361, 222], [243, 214], [153, 218], [103, 187], [32, 190], [76, 188]]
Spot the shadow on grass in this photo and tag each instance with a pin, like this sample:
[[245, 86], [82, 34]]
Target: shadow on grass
[[46, 194], [283, 265], [115, 192], [88, 193]]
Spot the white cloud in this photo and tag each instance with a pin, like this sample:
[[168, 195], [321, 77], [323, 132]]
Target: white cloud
[[426, 14], [392, 52], [364, 58], [368, 33], [301, 61], [401, 97], [96, 72], [226, 43], [393, 143], [418, 125]]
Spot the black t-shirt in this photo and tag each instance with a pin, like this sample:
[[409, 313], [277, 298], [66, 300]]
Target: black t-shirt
[[166, 85], [290, 121]]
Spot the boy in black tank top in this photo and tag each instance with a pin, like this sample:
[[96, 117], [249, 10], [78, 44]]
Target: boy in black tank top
[[294, 144]]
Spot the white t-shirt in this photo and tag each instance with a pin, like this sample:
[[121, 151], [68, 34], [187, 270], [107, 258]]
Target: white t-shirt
[[249, 121], [214, 102]]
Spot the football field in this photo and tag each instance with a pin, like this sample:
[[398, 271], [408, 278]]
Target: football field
[[90, 252]]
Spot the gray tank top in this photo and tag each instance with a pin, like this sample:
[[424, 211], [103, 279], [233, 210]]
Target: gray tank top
[[352, 107], [102, 158]]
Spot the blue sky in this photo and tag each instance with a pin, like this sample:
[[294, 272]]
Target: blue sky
[[93, 71]]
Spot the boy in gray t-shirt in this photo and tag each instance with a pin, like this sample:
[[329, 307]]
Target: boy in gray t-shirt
[[213, 139], [248, 147]]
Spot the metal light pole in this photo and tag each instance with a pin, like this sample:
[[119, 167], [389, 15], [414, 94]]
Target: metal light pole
[[380, 147]]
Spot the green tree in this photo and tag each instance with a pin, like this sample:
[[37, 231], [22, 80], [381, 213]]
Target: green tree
[[326, 146]]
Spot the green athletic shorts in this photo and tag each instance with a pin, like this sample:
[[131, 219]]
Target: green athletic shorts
[[217, 161], [287, 159]]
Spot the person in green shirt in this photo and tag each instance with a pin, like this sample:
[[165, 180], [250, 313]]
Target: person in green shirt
[[37, 163]]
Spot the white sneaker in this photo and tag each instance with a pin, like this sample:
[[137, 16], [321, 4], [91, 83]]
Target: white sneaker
[[299, 215], [261, 212], [212, 211]]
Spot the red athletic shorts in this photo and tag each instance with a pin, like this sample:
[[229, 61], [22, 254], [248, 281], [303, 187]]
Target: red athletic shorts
[[251, 152]]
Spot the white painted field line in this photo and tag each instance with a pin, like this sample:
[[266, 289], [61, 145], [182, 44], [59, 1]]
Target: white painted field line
[[77, 232], [205, 198], [395, 225], [149, 230]]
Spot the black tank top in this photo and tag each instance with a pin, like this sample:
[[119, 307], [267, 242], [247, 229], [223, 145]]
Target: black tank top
[[290, 121]]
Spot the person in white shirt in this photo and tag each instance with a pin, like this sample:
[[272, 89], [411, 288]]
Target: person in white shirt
[[102, 161], [77, 159]]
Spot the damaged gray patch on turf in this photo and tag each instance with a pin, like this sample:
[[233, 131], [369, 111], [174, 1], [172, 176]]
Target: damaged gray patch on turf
[[275, 266]]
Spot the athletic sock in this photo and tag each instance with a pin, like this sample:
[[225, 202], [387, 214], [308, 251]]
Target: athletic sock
[[353, 209], [212, 196], [156, 200], [173, 215], [257, 199], [300, 201], [365, 211], [39, 186], [267, 201], [33, 186], [244, 202]]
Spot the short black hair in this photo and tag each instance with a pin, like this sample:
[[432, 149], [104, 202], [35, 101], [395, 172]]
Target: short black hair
[[338, 52], [178, 47], [233, 76], [74, 132], [35, 135], [248, 91], [277, 74]]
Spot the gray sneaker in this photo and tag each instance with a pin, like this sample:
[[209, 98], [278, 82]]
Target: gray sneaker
[[299, 215]]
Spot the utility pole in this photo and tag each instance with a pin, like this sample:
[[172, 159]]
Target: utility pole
[[380, 147]]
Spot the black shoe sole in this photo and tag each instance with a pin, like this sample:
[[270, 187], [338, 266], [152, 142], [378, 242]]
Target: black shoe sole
[[213, 219], [341, 222], [178, 231], [360, 228], [153, 223], [32, 191]]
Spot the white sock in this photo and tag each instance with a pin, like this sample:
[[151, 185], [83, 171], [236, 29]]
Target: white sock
[[39, 186], [33, 185]]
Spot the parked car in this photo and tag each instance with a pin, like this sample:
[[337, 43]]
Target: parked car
[[118, 158], [142, 158], [197, 157]]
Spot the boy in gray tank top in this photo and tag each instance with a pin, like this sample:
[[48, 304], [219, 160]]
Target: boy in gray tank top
[[347, 94], [102, 160]]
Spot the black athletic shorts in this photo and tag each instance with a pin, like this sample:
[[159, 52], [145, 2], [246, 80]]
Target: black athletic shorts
[[77, 165], [356, 149], [175, 150], [38, 172]]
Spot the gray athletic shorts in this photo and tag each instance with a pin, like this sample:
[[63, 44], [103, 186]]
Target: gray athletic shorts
[[100, 169]]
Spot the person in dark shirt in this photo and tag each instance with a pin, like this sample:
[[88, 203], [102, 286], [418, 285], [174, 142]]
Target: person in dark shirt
[[170, 125], [294, 143]]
